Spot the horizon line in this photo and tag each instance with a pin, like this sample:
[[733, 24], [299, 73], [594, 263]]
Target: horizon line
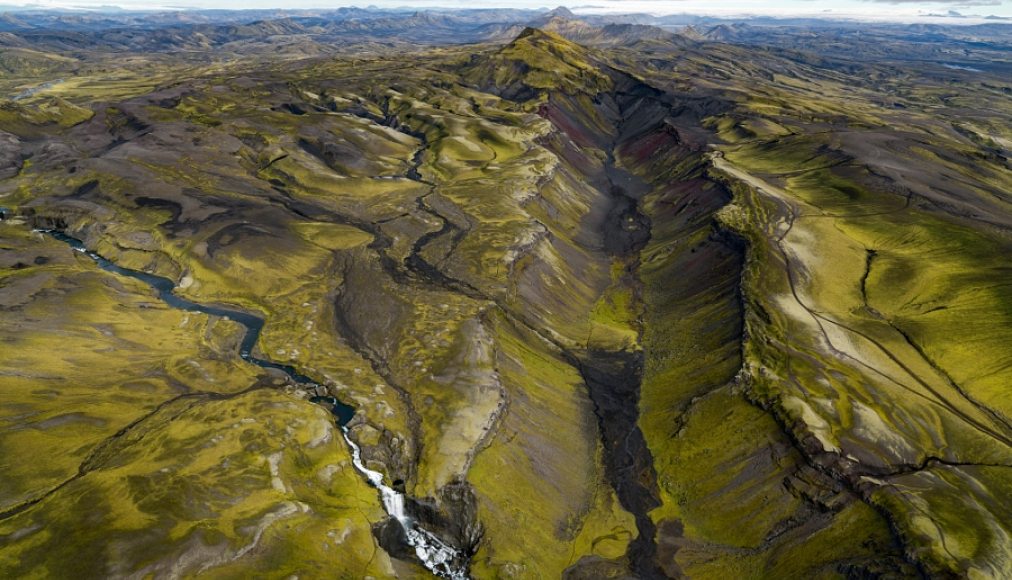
[[952, 18]]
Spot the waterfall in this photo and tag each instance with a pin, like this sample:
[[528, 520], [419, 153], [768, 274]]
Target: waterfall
[[435, 554], [394, 503]]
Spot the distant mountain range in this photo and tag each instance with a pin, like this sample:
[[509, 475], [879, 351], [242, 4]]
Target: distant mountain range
[[321, 31]]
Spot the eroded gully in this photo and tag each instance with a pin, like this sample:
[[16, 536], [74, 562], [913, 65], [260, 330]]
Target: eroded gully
[[614, 378]]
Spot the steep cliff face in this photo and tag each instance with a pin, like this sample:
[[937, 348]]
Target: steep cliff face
[[666, 390], [699, 352], [717, 454]]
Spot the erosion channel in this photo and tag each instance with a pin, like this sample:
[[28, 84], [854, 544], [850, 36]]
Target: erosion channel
[[614, 378], [438, 556]]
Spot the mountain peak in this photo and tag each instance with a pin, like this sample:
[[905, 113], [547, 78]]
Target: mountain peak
[[561, 11], [560, 16], [544, 40], [539, 60]]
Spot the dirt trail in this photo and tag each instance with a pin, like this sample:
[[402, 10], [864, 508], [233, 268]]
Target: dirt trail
[[931, 389]]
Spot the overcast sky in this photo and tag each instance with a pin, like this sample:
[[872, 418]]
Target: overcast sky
[[871, 9]]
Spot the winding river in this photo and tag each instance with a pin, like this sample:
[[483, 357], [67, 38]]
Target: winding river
[[439, 557]]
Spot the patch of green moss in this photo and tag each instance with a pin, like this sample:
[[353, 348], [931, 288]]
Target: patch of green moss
[[261, 481], [546, 446], [67, 317]]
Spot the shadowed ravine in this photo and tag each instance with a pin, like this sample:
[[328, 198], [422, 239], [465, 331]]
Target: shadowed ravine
[[613, 383], [614, 378], [438, 556]]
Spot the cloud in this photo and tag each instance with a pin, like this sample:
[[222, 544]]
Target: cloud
[[954, 3]]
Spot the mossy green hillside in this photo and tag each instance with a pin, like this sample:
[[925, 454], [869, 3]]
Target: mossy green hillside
[[546, 440], [735, 495], [539, 60], [210, 488], [879, 365], [63, 317], [412, 240]]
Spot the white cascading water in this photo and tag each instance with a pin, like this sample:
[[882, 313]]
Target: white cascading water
[[436, 554]]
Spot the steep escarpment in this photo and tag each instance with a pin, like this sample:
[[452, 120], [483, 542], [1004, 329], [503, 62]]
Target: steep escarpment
[[802, 447], [879, 368], [692, 337], [843, 391], [659, 388], [692, 399]]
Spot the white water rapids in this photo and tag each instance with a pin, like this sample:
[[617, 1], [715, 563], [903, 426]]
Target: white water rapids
[[437, 555]]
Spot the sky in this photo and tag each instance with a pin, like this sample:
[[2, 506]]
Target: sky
[[904, 10]]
